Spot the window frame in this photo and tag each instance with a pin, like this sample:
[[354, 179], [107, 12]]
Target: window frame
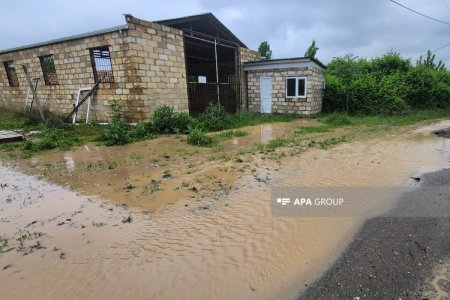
[[297, 79], [49, 80], [11, 73], [95, 71]]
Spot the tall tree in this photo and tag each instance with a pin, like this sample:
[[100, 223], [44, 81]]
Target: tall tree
[[429, 63], [312, 50], [264, 50]]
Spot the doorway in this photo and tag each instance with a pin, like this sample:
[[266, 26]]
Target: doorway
[[266, 94]]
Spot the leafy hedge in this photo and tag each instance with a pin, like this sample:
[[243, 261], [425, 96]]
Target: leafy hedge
[[386, 85]]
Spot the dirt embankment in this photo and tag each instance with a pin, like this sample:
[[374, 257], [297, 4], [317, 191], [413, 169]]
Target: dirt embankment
[[403, 254]]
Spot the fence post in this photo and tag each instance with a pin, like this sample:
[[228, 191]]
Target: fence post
[[217, 71]]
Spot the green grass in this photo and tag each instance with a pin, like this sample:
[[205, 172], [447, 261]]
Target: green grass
[[199, 137], [245, 118], [67, 136], [225, 135], [11, 120], [365, 124], [54, 134]]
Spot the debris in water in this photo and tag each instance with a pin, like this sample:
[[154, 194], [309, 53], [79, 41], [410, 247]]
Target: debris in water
[[129, 186], [204, 206], [127, 219], [167, 174]]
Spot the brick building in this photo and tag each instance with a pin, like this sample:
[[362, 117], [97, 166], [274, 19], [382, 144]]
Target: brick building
[[185, 63], [293, 85]]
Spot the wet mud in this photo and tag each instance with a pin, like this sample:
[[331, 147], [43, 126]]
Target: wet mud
[[163, 220]]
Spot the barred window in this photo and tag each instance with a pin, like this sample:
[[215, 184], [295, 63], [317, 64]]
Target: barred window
[[11, 73], [49, 70], [101, 64]]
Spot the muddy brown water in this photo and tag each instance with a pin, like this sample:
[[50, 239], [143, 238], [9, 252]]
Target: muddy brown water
[[226, 247]]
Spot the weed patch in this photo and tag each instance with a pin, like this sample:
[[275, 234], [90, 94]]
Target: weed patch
[[198, 137]]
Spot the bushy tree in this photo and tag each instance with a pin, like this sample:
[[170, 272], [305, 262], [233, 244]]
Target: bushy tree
[[264, 50], [312, 50], [387, 85], [429, 63], [348, 67], [391, 62]]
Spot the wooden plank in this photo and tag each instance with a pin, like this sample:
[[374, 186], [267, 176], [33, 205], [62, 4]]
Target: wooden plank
[[36, 99], [94, 88], [9, 136], [35, 88]]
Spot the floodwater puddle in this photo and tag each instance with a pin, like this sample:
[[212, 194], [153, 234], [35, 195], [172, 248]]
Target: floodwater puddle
[[265, 133], [223, 243]]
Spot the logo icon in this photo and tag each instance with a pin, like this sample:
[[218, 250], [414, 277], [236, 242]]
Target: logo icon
[[284, 201]]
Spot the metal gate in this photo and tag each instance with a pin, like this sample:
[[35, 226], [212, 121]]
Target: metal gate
[[212, 72]]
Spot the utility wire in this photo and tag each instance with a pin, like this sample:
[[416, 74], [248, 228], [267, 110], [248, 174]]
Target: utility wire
[[445, 3], [421, 14], [442, 47]]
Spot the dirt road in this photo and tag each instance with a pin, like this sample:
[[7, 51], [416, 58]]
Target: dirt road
[[218, 241]]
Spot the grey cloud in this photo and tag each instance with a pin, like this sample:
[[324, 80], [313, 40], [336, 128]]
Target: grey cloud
[[362, 27]]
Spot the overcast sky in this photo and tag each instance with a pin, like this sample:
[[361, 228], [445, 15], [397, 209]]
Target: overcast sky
[[364, 28]]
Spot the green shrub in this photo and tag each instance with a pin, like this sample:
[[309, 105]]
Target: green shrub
[[363, 95], [335, 94], [393, 94], [428, 88], [116, 132], [198, 137], [141, 131], [214, 118], [164, 120], [390, 63], [181, 122], [386, 85]]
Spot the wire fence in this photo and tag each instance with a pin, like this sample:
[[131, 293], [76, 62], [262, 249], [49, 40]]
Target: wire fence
[[212, 73]]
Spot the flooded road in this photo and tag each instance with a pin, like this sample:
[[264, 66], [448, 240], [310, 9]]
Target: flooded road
[[225, 245]]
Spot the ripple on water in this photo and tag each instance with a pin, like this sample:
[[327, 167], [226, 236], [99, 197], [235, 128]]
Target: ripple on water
[[234, 251]]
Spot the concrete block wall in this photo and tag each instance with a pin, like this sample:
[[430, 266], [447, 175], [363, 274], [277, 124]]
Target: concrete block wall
[[147, 63], [246, 55], [312, 104]]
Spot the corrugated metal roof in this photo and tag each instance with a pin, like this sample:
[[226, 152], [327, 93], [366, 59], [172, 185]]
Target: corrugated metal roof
[[69, 38], [205, 17]]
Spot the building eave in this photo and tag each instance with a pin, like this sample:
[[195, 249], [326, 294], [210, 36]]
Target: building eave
[[66, 39], [283, 63]]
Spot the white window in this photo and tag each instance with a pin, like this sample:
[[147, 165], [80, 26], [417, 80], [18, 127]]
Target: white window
[[296, 87]]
